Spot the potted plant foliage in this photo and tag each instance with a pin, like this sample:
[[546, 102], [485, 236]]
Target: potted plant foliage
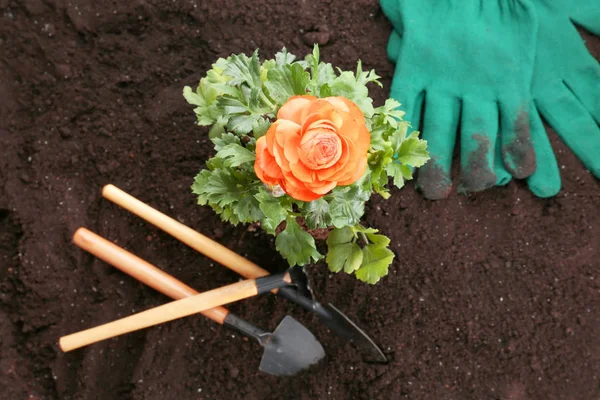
[[299, 150]]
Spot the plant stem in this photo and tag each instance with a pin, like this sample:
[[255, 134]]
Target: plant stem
[[364, 237], [264, 98]]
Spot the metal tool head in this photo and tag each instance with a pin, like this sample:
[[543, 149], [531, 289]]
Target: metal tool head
[[300, 281], [338, 322], [290, 349]]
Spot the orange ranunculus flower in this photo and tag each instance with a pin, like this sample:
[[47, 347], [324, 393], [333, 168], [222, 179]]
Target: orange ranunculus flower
[[313, 146]]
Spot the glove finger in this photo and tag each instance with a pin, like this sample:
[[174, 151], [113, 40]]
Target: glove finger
[[393, 47], [545, 181], [586, 87], [439, 129], [587, 16], [391, 9], [573, 124], [478, 135], [410, 96], [517, 149], [503, 177]]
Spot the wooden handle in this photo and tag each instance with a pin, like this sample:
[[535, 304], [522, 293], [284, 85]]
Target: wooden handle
[[168, 312], [141, 270], [195, 240]]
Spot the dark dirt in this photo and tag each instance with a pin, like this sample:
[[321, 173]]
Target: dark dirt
[[491, 296], [519, 156], [433, 182], [478, 174]]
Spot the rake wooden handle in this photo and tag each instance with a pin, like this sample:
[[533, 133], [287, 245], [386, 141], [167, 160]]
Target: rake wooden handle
[[195, 240], [141, 270], [168, 312]]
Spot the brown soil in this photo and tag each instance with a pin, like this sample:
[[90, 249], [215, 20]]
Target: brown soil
[[491, 296]]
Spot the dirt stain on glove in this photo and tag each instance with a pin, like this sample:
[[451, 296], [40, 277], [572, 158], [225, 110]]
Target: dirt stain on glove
[[433, 182], [519, 156], [478, 174]]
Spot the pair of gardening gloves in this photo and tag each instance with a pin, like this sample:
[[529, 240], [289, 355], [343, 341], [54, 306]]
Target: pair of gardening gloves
[[488, 70]]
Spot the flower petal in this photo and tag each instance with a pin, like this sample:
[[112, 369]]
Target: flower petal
[[327, 173], [360, 170], [292, 109], [347, 105], [265, 166], [322, 187], [321, 107], [288, 138], [297, 189], [301, 172], [320, 148], [344, 173]]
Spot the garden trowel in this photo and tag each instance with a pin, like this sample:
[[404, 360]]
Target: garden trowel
[[301, 294], [288, 350]]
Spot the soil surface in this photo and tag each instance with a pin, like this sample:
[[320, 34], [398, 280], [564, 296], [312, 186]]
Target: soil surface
[[491, 296]]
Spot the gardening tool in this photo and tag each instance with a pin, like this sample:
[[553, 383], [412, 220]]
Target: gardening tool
[[301, 294], [288, 350], [177, 309]]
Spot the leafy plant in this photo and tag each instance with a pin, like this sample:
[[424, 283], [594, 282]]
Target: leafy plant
[[239, 99]]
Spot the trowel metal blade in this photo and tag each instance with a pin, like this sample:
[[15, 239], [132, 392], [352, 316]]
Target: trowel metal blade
[[344, 326], [338, 322], [291, 349]]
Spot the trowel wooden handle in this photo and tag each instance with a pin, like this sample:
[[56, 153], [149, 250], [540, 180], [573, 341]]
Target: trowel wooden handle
[[168, 312], [141, 270], [195, 240]]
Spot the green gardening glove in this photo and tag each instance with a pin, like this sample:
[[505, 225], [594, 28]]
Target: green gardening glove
[[566, 85], [468, 62], [561, 58]]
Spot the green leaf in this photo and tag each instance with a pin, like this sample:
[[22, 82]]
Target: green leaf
[[317, 214], [233, 105], [247, 209], [390, 113], [218, 129], [286, 81], [413, 151], [346, 85], [379, 140], [378, 163], [326, 74], [362, 229], [265, 67], [346, 256], [284, 57], [347, 205], [229, 192], [260, 127], [381, 240], [207, 109], [217, 186], [362, 78], [243, 69], [225, 140], [340, 236], [242, 124], [399, 173], [295, 245], [321, 74], [235, 155], [193, 98], [325, 91], [375, 263], [399, 135], [275, 210]]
